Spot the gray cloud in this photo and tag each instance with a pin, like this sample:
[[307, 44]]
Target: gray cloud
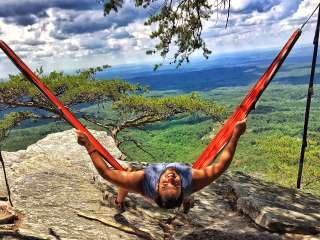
[[43, 55], [85, 16], [17, 47], [10, 8], [24, 20], [272, 9], [34, 42], [121, 35], [94, 21], [72, 47], [273, 12], [256, 5], [93, 44], [108, 50], [28, 12], [58, 35]]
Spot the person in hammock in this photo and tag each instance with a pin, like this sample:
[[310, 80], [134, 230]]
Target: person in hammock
[[167, 184]]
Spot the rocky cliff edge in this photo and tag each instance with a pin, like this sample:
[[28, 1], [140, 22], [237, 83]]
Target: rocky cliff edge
[[57, 194]]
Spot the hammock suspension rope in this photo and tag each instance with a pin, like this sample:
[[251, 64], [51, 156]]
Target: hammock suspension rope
[[310, 93], [5, 178]]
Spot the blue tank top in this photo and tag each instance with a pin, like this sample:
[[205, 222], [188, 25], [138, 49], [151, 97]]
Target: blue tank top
[[153, 172]]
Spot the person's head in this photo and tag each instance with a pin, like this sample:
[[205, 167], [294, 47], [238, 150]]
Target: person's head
[[169, 190]]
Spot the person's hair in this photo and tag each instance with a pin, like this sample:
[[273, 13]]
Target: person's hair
[[169, 202]]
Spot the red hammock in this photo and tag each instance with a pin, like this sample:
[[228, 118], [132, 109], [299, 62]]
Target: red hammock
[[248, 103], [67, 115], [218, 142]]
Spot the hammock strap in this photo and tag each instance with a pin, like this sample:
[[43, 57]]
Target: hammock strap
[[309, 17], [310, 93], [248, 103], [65, 112]]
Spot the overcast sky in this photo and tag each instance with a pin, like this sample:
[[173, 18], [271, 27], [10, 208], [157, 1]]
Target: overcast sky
[[72, 34]]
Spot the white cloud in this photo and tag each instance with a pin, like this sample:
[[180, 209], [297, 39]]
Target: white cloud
[[268, 29], [67, 39]]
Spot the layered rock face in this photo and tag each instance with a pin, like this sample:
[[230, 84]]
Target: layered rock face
[[57, 194]]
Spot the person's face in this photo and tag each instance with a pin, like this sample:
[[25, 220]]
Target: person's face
[[170, 183]]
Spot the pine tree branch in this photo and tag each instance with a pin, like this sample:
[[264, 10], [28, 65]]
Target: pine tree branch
[[108, 126], [31, 104], [138, 145]]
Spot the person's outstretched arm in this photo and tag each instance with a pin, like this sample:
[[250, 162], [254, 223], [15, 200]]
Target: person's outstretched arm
[[203, 177], [132, 181]]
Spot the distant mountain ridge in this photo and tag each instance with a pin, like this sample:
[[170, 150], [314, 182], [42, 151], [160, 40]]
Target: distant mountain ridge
[[229, 70]]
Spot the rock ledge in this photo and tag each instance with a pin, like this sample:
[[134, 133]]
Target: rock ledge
[[53, 182]]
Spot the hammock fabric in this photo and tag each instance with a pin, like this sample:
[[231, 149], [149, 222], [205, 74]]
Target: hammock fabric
[[65, 112], [248, 103], [217, 143]]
